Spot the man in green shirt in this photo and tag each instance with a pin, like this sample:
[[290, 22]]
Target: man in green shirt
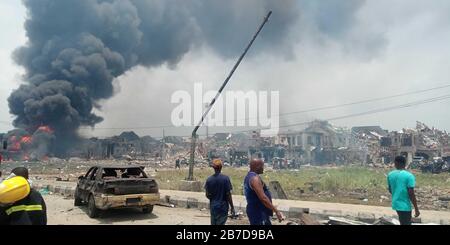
[[401, 185]]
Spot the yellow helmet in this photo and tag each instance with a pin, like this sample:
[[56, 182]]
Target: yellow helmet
[[14, 189]]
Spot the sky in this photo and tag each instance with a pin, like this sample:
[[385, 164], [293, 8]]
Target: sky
[[334, 52]]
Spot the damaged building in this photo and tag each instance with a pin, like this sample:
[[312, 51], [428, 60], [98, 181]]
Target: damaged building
[[322, 143], [319, 143], [130, 145]]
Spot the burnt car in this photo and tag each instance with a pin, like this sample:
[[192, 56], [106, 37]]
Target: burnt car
[[107, 187]]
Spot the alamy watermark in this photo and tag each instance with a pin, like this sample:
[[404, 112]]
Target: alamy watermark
[[232, 109]]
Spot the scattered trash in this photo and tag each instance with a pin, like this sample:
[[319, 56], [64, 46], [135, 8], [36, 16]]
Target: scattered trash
[[44, 191], [386, 221], [344, 221], [235, 216], [165, 205], [306, 219]]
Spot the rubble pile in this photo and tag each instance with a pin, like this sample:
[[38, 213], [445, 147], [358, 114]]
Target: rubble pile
[[433, 198]]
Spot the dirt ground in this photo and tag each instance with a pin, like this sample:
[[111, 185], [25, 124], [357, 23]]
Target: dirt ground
[[60, 211]]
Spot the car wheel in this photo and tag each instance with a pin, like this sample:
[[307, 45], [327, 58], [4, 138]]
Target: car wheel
[[77, 201], [147, 209], [92, 209]]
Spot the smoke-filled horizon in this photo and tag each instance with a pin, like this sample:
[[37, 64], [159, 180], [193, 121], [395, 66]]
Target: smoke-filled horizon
[[316, 53], [75, 50]]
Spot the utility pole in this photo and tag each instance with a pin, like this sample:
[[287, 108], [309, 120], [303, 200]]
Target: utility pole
[[194, 132], [206, 140], [163, 143], [206, 123]]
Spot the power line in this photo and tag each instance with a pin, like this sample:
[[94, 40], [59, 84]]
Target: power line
[[290, 113], [354, 103], [401, 106], [415, 103], [410, 104], [293, 112]]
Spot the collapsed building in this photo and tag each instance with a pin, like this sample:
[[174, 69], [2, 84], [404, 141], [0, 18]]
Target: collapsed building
[[421, 141], [321, 143], [130, 145], [318, 143]]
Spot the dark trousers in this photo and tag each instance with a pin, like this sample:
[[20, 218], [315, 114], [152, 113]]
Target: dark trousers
[[218, 218], [265, 221], [258, 217], [404, 217]]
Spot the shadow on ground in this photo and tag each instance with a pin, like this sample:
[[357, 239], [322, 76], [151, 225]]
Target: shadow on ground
[[121, 215]]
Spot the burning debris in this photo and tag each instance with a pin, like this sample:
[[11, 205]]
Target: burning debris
[[22, 145]]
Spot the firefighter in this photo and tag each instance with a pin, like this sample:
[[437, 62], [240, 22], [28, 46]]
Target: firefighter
[[21, 204]]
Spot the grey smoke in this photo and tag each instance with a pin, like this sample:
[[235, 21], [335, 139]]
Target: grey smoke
[[76, 48], [338, 21]]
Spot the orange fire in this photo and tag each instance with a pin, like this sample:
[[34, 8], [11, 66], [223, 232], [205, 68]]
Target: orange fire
[[46, 129], [21, 144], [26, 139]]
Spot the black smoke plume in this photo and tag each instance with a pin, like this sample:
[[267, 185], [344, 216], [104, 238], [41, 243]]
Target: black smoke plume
[[76, 48]]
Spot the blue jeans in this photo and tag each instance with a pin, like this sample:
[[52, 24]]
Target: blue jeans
[[218, 218]]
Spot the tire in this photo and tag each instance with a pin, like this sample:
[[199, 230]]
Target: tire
[[92, 209], [147, 209], [77, 201]]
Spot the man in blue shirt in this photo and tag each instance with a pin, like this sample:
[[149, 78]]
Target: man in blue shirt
[[218, 191], [401, 185]]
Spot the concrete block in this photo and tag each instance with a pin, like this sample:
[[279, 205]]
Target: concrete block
[[180, 202], [195, 186], [192, 203], [283, 208], [276, 190], [295, 212], [203, 204]]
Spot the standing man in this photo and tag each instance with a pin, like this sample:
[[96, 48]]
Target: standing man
[[259, 200], [218, 191], [177, 163], [401, 185], [30, 210]]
